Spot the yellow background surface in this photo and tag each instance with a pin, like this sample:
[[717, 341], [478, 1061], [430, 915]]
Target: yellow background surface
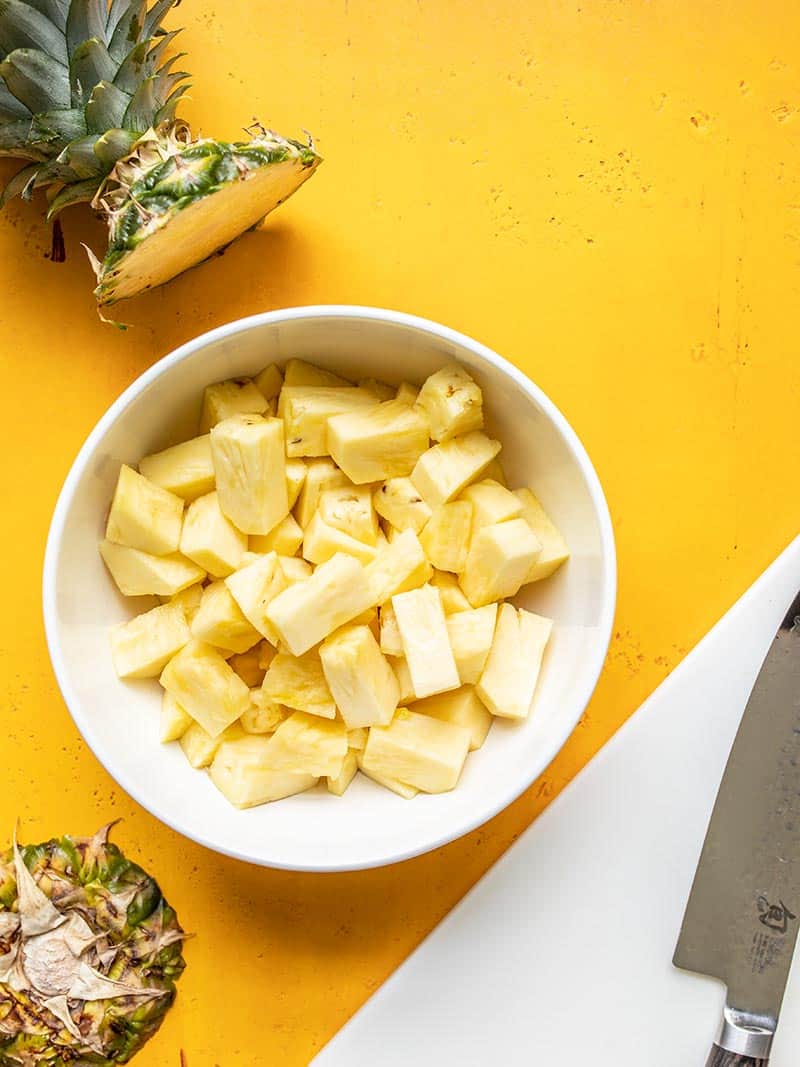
[[608, 193]]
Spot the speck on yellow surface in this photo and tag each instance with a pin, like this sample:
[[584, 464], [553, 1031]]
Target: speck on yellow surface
[[608, 193]]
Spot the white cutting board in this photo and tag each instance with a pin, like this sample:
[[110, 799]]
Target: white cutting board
[[561, 954]]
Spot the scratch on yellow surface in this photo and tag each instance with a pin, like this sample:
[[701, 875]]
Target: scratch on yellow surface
[[606, 192]]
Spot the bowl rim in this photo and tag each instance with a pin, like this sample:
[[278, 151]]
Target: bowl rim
[[185, 351]]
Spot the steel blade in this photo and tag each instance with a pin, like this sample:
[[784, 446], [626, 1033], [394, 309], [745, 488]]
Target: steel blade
[[743, 914]]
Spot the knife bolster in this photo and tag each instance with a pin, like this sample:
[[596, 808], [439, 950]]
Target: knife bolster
[[746, 1036]]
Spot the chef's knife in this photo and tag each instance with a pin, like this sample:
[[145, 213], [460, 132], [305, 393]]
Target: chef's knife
[[743, 914]]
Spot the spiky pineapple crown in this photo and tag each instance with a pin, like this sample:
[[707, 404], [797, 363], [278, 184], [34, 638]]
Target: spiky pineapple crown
[[82, 81]]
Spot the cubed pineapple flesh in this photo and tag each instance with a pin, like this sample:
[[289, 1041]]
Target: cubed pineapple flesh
[[308, 410], [403, 675], [269, 381], [250, 468], [379, 389], [452, 403], [307, 744], [239, 772], [295, 569], [471, 634], [299, 683], [499, 561], [359, 677], [400, 504], [357, 739], [349, 508], [263, 716], [453, 600], [285, 538], [174, 720], [554, 548], [422, 751], [239, 396], [144, 516], [491, 503], [446, 537], [321, 474], [463, 708], [199, 746], [321, 542], [444, 470], [210, 539], [509, 679], [206, 686], [378, 443], [295, 477], [248, 665], [185, 469], [140, 574], [220, 622], [141, 647], [407, 792], [426, 645], [390, 640], [299, 372], [407, 392], [189, 598], [400, 566], [254, 587], [340, 784]]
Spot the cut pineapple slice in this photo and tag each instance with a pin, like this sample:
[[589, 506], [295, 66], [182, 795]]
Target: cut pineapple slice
[[421, 621], [306, 744], [378, 389], [408, 393], [407, 792], [295, 477], [248, 665], [452, 402], [263, 716], [339, 785], [307, 411], [321, 474], [453, 600], [554, 547], [144, 516], [404, 680], [269, 382], [509, 679], [445, 539], [305, 613], [239, 773], [141, 647], [285, 538], [378, 443], [444, 470], [359, 677], [400, 566], [349, 509], [199, 746], [254, 587], [174, 721], [460, 708], [321, 542], [206, 686], [399, 502], [250, 468], [491, 503], [220, 622], [424, 752], [471, 634], [210, 539], [496, 473], [185, 469], [296, 570], [239, 396], [298, 372], [140, 574], [357, 739], [499, 561], [299, 683], [391, 641], [189, 599]]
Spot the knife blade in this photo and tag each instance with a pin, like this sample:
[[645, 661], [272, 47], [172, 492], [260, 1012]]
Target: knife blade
[[743, 913]]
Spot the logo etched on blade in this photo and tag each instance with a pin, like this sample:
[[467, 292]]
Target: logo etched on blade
[[775, 916]]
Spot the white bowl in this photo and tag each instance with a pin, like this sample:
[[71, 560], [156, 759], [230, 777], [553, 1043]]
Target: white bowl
[[368, 826]]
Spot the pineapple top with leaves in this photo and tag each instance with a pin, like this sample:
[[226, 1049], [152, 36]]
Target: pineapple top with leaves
[[88, 95]]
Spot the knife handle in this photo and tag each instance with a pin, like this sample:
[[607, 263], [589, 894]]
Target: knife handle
[[720, 1057]]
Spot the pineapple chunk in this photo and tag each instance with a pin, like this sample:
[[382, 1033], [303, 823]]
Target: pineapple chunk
[[460, 708], [139, 574], [220, 622], [491, 503], [400, 566], [321, 474], [452, 403], [266, 654], [307, 411], [391, 641], [499, 561], [349, 508], [509, 679], [423, 630], [444, 470], [295, 570], [210, 539], [403, 676], [471, 634], [378, 389], [359, 677], [248, 665], [141, 647], [254, 587], [269, 382], [554, 547], [239, 773], [185, 469], [189, 599], [250, 468], [445, 539], [299, 682], [199, 746], [305, 613], [419, 750], [408, 393], [321, 542], [298, 372], [239, 396], [400, 504], [306, 744], [295, 477], [285, 538], [174, 721], [263, 716], [453, 600], [206, 686], [382, 442], [407, 792], [144, 516], [357, 739], [339, 785]]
